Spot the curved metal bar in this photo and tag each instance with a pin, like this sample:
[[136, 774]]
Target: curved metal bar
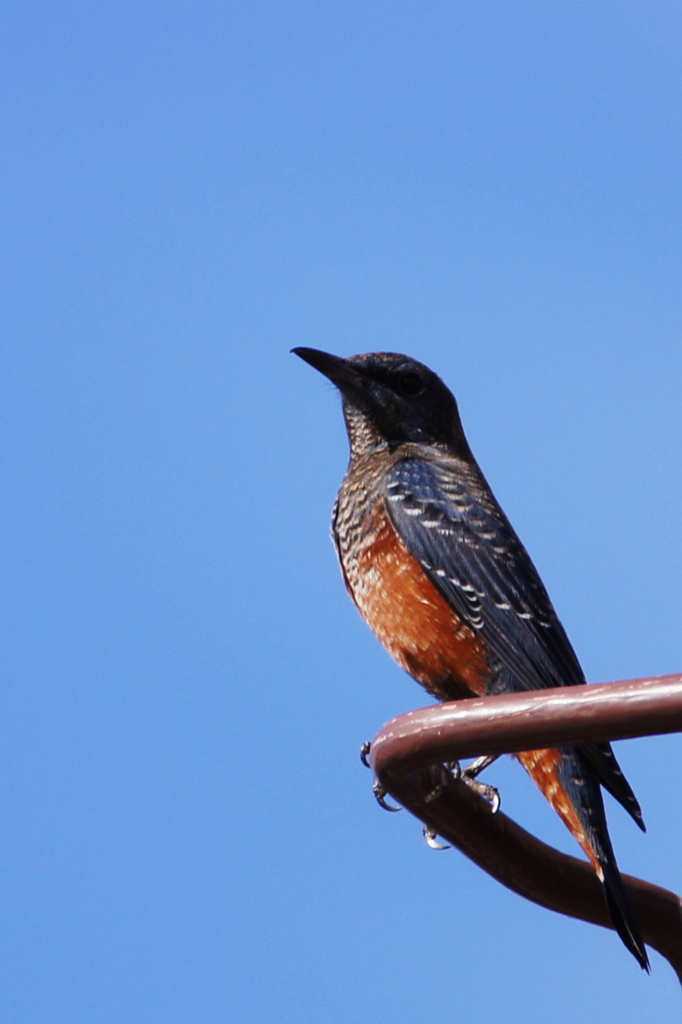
[[408, 751]]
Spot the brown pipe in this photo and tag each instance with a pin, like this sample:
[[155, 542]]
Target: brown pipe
[[406, 753]]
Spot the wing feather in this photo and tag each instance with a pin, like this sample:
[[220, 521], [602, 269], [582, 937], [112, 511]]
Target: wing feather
[[465, 544], [467, 547]]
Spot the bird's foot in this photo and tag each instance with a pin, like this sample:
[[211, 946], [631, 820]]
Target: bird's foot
[[470, 776], [491, 794], [439, 776], [380, 795], [431, 837]]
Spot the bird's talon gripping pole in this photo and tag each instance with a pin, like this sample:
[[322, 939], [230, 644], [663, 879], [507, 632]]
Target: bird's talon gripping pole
[[380, 796], [470, 777], [491, 794], [377, 789], [431, 837]]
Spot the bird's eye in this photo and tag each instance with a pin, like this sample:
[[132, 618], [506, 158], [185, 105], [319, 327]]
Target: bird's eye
[[408, 384]]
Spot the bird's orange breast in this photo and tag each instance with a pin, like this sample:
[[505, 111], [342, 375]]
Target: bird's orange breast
[[409, 615]]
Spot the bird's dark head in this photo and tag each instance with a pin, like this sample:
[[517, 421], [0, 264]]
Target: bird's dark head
[[391, 399]]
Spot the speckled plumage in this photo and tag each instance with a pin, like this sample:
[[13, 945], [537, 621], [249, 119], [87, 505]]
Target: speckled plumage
[[440, 576], [395, 597]]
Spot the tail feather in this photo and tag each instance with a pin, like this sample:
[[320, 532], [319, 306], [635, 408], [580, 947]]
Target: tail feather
[[621, 913], [568, 780], [602, 758], [584, 792]]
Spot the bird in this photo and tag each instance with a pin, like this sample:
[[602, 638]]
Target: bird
[[440, 576]]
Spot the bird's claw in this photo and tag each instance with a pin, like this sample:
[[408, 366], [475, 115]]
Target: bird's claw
[[431, 837], [380, 796], [378, 790], [470, 776], [491, 794]]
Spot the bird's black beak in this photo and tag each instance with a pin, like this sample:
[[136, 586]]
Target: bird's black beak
[[339, 371]]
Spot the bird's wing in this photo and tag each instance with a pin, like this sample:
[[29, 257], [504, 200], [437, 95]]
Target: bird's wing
[[469, 551]]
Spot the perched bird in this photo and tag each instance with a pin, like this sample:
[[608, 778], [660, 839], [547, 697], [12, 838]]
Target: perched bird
[[440, 576]]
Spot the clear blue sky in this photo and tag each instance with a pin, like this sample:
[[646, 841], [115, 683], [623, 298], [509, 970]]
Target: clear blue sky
[[189, 190]]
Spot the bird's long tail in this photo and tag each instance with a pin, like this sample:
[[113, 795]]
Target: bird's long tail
[[569, 783]]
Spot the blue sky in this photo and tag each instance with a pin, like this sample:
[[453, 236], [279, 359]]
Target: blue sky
[[189, 190]]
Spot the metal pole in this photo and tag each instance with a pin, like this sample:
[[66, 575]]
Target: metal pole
[[407, 754]]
